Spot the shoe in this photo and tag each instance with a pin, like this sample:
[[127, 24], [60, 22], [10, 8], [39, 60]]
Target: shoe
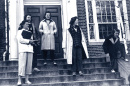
[[55, 63], [80, 73], [74, 73], [113, 71], [126, 60], [36, 69], [45, 63], [19, 83], [28, 82]]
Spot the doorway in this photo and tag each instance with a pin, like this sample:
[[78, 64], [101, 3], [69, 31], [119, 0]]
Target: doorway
[[37, 12]]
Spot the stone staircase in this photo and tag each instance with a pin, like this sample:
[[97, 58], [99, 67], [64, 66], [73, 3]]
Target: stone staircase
[[96, 73]]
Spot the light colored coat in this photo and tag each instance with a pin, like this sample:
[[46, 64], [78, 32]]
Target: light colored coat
[[47, 31], [69, 46], [23, 44]]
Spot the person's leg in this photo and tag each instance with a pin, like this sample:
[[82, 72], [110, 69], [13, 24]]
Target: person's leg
[[52, 54], [45, 55], [74, 61], [79, 60], [34, 64], [21, 66], [112, 61], [28, 67], [122, 50], [19, 80]]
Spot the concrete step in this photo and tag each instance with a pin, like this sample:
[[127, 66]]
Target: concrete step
[[59, 72], [125, 85], [54, 67], [46, 73], [59, 61], [59, 79], [111, 82], [87, 71]]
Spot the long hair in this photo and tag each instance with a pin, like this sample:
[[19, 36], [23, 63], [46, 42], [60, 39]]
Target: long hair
[[73, 19], [21, 24], [25, 17]]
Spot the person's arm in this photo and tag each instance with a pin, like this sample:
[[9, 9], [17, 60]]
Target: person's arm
[[41, 28], [105, 46], [55, 28], [21, 39]]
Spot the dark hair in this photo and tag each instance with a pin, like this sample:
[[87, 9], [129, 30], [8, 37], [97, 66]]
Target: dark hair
[[73, 19], [46, 13], [25, 17], [21, 24], [115, 30]]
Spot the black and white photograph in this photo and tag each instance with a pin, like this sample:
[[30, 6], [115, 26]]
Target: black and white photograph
[[64, 42]]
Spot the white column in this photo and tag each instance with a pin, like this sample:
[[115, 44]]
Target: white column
[[126, 20], [13, 30], [69, 10]]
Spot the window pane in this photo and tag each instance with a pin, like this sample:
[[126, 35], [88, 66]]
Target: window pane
[[97, 3], [105, 30], [104, 19], [108, 11], [91, 31], [103, 11], [108, 18], [99, 18], [102, 3], [112, 3], [113, 11], [114, 18], [90, 12], [98, 11], [107, 4], [90, 19]]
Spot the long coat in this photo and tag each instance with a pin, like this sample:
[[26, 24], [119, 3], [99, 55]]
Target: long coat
[[48, 31], [69, 46]]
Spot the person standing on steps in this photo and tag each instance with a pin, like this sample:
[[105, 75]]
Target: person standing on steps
[[75, 42], [25, 48], [36, 36], [112, 47], [48, 29]]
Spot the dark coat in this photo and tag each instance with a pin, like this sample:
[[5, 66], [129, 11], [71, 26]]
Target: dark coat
[[110, 46]]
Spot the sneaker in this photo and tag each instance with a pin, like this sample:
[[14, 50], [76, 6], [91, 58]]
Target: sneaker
[[74, 73], [28, 82], [19, 84], [113, 71], [36, 69], [126, 60], [45, 63], [55, 63], [80, 73]]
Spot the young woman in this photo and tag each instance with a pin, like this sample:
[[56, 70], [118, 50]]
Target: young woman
[[25, 47], [48, 29], [36, 36], [75, 41]]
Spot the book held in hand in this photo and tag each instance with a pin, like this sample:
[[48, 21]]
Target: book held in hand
[[26, 34]]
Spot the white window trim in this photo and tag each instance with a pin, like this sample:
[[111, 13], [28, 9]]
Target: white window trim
[[98, 41]]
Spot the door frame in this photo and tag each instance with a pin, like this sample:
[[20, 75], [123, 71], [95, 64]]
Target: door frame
[[18, 7]]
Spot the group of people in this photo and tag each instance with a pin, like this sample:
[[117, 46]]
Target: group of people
[[30, 37]]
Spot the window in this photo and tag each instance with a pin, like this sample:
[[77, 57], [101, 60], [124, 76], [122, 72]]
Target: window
[[102, 17]]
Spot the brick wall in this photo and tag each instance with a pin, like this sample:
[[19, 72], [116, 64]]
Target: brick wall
[[2, 27], [93, 50]]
